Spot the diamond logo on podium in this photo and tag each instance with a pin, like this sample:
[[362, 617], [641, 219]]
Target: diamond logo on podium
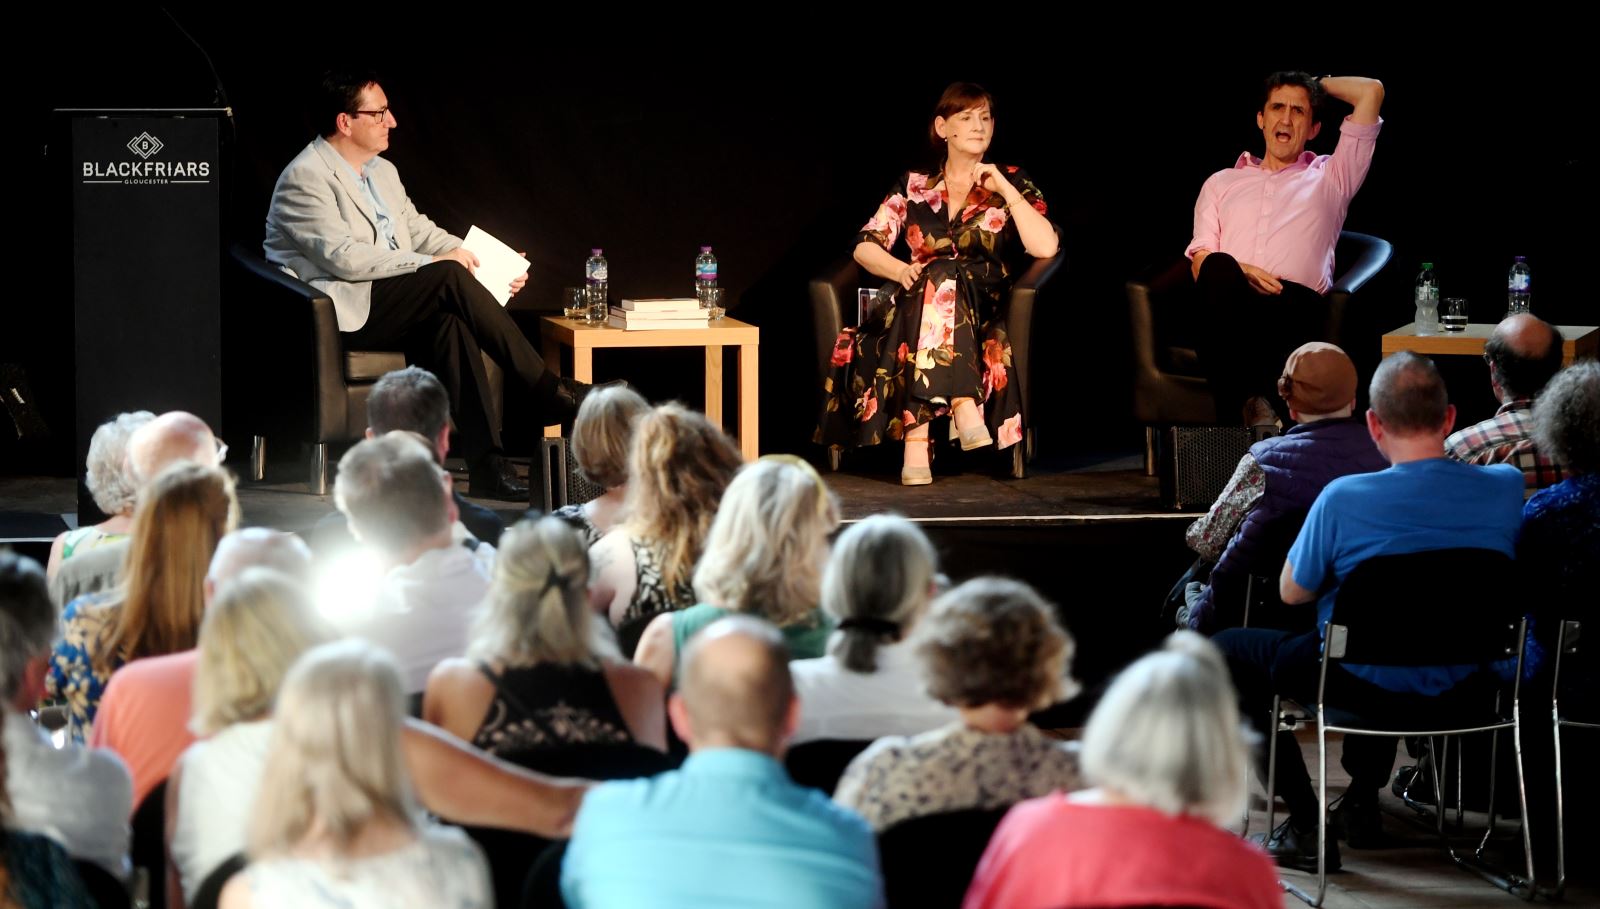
[[144, 145]]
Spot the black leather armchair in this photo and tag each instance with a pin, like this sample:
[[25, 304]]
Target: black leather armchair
[[835, 289], [286, 369], [1168, 387]]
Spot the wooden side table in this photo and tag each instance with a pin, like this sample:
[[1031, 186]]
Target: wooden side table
[[1577, 341]]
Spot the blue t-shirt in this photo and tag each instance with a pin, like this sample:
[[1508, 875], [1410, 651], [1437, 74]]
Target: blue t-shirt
[[728, 829], [1416, 506]]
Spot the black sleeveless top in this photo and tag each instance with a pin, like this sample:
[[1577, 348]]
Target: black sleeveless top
[[546, 706]]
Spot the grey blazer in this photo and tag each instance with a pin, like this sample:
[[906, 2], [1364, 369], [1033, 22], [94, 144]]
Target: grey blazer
[[321, 230]]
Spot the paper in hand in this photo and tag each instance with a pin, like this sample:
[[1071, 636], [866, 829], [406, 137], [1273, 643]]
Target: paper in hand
[[498, 263]]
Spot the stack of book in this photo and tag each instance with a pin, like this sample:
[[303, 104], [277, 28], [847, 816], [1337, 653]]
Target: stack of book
[[658, 314]]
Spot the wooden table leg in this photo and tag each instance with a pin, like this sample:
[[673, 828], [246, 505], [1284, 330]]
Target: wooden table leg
[[583, 364], [552, 361], [714, 384], [749, 401]]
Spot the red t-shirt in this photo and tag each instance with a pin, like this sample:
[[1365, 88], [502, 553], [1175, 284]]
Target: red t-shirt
[[1056, 854]]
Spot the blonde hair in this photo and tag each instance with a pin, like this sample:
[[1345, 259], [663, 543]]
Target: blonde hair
[[537, 609], [181, 516], [602, 433], [877, 582], [1167, 734], [258, 625], [678, 467], [994, 641], [769, 543], [334, 761]]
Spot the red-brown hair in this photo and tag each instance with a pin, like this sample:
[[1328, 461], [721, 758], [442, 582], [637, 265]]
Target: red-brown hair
[[957, 97]]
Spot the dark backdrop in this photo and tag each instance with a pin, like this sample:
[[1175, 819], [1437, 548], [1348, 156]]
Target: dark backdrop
[[774, 141]]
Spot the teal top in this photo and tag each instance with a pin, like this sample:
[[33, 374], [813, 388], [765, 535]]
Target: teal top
[[806, 639]]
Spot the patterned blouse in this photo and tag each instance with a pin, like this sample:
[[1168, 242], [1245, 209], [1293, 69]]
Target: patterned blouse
[[73, 677], [651, 594], [549, 705], [578, 520], [953, 768]]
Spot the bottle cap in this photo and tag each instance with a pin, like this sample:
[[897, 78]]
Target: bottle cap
[[705, 249], [1425, 265], [595, 251]]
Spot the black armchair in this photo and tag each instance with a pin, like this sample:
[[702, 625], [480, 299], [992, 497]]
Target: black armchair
[[1168, 388], [834, 289]]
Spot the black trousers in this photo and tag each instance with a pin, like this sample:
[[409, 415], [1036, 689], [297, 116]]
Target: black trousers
[[1265, 662], [443, 320], [1244, 336]]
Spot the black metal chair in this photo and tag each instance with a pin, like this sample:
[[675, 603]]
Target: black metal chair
[[542, 889], [820, 763], [1168, 388], [149, 844], [834, 289], [928, 861], [104, 888], [1573, 703], [1435, 608], [207, 895]]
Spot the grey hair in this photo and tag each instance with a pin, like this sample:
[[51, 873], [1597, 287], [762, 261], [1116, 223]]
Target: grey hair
[[994, 640], [881, 571], [1408, 394], [537, 609], [1566, 418], [1167, 733], [107, 472], [392, 491], [28, 622], [252, 547], [412, 399]]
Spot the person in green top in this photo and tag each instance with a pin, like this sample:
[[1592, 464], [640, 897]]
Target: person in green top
[[764, 557]]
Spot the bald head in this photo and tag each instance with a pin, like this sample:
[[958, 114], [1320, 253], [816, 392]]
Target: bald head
[[257, 547], [172, 437], [735, 688], [1523, 353]]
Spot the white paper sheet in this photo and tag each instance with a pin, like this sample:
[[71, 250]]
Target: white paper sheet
[[497, 262]]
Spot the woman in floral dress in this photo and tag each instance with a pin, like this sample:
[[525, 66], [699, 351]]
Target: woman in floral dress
[[941, 346]]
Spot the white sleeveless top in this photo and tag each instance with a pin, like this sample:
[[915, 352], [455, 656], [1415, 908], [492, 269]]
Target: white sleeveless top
[[216, 793], [441, 868]]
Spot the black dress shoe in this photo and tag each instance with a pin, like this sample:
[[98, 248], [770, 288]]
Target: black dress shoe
[[495, 478], [1297, 849]]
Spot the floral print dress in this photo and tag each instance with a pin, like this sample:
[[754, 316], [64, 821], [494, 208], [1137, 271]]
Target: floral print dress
[[73, 677], [944, 338]]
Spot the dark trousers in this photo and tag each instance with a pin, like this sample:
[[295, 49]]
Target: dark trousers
[[1244, 336], [1265, 662], [443, 320]]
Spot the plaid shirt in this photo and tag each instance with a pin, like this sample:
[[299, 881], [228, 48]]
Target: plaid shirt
[[1506, 438]]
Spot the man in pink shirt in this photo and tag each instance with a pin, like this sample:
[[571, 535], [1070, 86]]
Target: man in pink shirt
[[1264, 233]]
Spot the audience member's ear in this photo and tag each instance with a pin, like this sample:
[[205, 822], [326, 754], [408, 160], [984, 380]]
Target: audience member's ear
[[1374, 426], [1449, 418], [791, 720], [441, 445], [678, 713], [370, 433], [31, 691], [208, 591], [452, 513]]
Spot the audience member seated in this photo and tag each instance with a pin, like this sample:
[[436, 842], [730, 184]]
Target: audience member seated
[[764, 557], [152, 448], [35, 872], [110, 482], [991, 648], [1424, 501], [542, 671], [1249, 528], [145, 710], [1560, 541], [412, 400], [678, 467], [401, 504], [1523, 353], [879, 580], [601, 438], [1165, 754], [335, 823], [260, 623], [181, 516], [729, 828], [79, 797]]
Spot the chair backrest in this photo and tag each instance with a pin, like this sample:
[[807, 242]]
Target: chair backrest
[[1575, 675], [1439, 607], [820, 763], [210, 890], [928, 861], [104, 889], [149, 845], [1357, 259], [629, 632], [542, 889]]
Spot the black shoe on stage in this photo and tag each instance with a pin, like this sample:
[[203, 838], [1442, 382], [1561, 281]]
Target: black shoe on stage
[[495, 478]]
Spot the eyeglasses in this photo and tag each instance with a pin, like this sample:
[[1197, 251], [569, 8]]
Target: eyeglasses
[[222, 451], [378, 114]]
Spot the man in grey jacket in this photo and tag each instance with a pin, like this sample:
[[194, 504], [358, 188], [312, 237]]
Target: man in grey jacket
[[341, 220]]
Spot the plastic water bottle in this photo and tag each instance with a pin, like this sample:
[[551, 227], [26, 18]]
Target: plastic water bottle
[[596, 278], [705, 273], [1519, 287], [1427, 318]]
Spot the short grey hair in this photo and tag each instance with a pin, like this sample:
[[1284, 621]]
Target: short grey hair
[[28, 622], [252, 547], [744, 700], [1566, 418], [1408, 394], [412, 399], [880, 575], [1167, 733], [994, 640], [107, 473], [392, 491]]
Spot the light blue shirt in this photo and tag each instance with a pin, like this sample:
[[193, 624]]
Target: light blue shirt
[[728, 829], [369, 190]]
